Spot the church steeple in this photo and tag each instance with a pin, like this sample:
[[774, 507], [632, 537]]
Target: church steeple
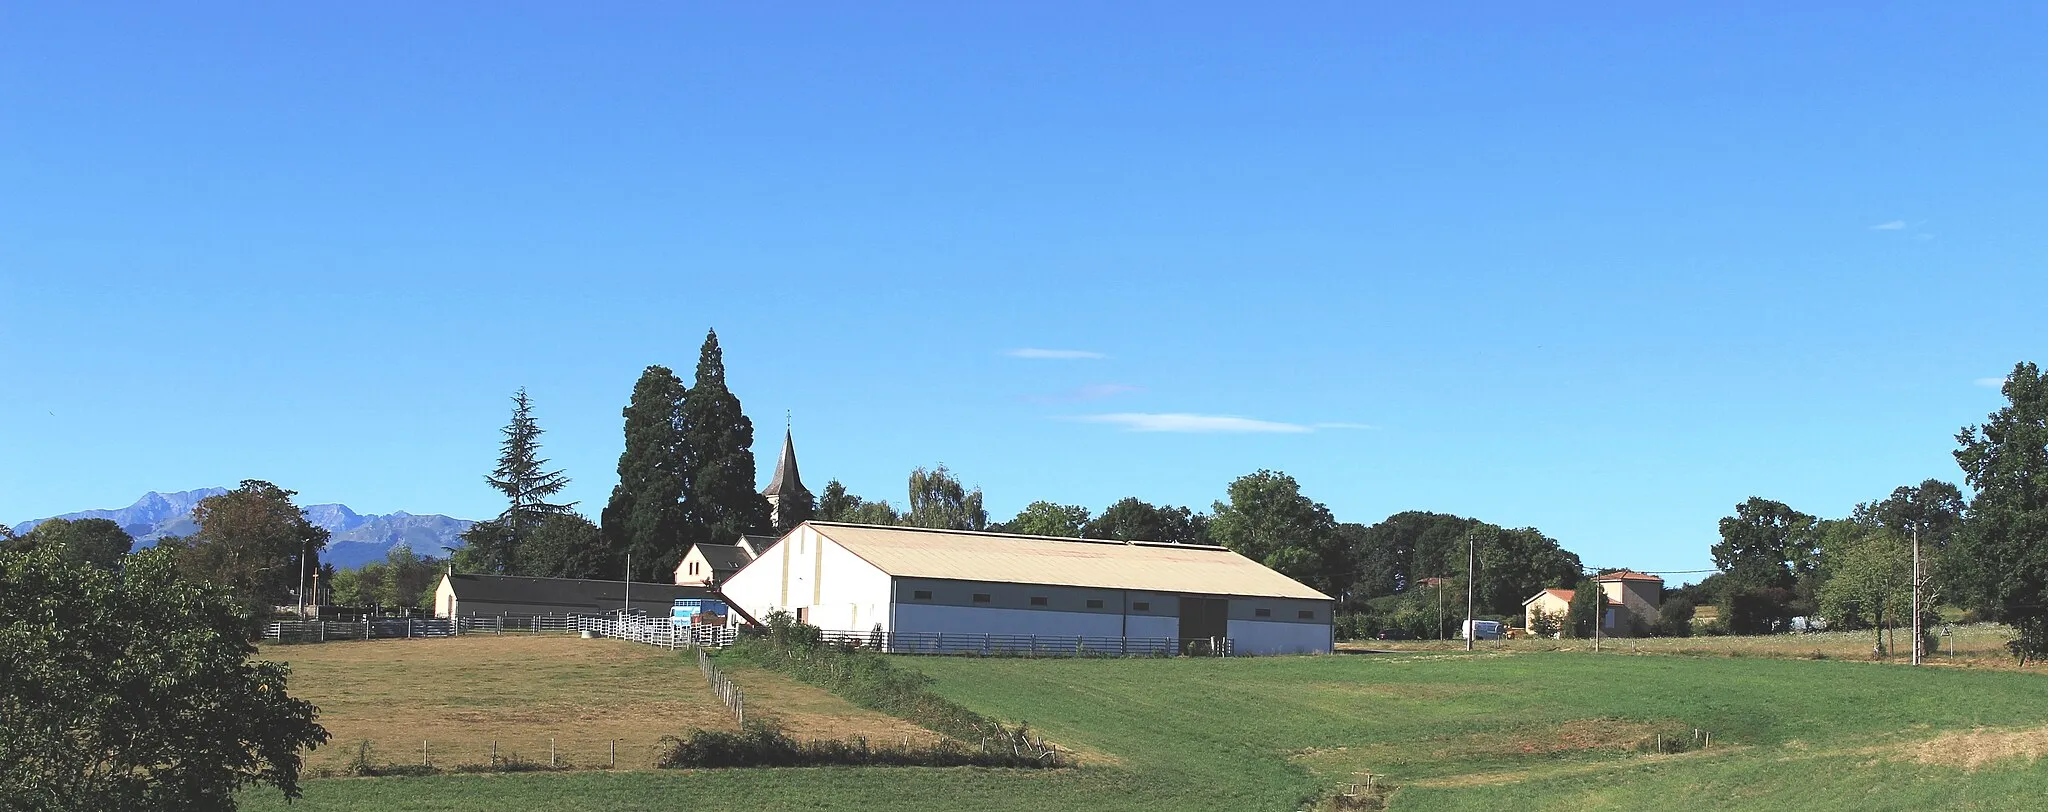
[[786, 485]]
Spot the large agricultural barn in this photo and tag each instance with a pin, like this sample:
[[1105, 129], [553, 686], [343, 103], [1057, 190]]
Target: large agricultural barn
[[912, 581]]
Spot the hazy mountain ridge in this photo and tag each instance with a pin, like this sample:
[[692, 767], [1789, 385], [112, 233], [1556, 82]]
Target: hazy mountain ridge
[[356, 538]]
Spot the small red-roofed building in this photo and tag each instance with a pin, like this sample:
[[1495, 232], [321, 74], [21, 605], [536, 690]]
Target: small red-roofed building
[[1631, 602]]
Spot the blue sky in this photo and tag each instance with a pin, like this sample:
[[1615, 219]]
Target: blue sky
[[1605, 270]]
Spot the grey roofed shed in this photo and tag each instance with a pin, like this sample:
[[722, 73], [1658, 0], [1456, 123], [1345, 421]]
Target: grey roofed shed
[[479, 594]]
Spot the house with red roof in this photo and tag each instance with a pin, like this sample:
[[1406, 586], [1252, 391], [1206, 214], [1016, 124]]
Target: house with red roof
[[1630, 603]]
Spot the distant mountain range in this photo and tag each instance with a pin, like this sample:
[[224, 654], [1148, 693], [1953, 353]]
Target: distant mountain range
[[356, 539]]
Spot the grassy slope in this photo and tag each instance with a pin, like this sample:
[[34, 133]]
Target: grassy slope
[[1539, 730]]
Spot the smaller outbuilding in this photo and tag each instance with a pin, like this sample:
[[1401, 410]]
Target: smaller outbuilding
[[710, 564], [465, 594]]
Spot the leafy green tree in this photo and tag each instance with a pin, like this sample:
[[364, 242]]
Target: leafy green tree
[[136, 690], [646, 515], [522, 476], [938, 500], [565, 545], [253, 540], [1269, 521], [719, 492], [1545, 624], [1870, 579], [407, 579], [1048, 519], [1584, 611], [99, 542], [1514, 564], [1133, 519], [1397, 553], [345, 588], [1674, 617], [1934, 508], [838, 505], [2004, 540], [1769, 552]]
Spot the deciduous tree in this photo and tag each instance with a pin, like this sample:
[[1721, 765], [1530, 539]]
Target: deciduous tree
[[938, 500], [99, 542], [2005, 533], [1131, 518], [565, 545], [253, 540], [839, 505], [1048, 519], [1269, 520], [136, 690], [1870, 578]]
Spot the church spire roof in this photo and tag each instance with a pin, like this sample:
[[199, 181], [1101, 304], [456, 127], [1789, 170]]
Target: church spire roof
[[785, 479]]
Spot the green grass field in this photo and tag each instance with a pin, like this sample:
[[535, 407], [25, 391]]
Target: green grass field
[[1538, 730]]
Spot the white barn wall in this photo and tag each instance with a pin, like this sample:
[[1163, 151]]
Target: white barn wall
[[835, 588], [1270, 637], [925, 619]]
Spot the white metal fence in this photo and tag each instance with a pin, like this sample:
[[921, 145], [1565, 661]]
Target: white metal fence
[[655, 631]]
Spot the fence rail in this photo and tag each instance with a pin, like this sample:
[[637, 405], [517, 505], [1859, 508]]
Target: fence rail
[[320, 631], [656, 631], [1036, 645], [729, 693]]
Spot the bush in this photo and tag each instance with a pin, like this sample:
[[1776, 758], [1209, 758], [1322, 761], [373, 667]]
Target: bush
[[766, 745]]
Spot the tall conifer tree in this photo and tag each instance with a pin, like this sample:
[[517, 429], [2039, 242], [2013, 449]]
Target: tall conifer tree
[[522, 476], [723, 503], [645, 516]]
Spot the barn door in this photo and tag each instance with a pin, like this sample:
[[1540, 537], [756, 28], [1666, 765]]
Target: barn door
[[1203, 618]]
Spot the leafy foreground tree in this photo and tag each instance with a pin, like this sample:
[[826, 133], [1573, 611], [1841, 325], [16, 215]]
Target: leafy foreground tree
[[2005, 534], [523, 477], [99, 542], [135, 691]]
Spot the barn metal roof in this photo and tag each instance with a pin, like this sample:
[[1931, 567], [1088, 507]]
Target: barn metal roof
[[913, 552]]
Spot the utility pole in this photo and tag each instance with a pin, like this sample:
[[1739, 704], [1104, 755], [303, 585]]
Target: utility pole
[[629, 587], [305, 550], [1471, 578], [1916, 594]]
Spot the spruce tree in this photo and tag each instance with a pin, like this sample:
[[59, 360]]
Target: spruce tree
[[522, 476], [722, 501], [645, 516]]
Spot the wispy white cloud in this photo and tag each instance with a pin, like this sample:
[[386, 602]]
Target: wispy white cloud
[[1182, 423], [1895, 225], [1093, 391], [1059, 355], [1991, 382]]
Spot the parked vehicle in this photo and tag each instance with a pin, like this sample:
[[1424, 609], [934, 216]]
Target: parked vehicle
[[1396, 634], [1481, 630]]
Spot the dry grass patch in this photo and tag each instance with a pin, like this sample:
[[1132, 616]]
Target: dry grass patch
[[459, 696], [1976, 748]]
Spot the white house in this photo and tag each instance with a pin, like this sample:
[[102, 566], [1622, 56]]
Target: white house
[[909, 581]]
